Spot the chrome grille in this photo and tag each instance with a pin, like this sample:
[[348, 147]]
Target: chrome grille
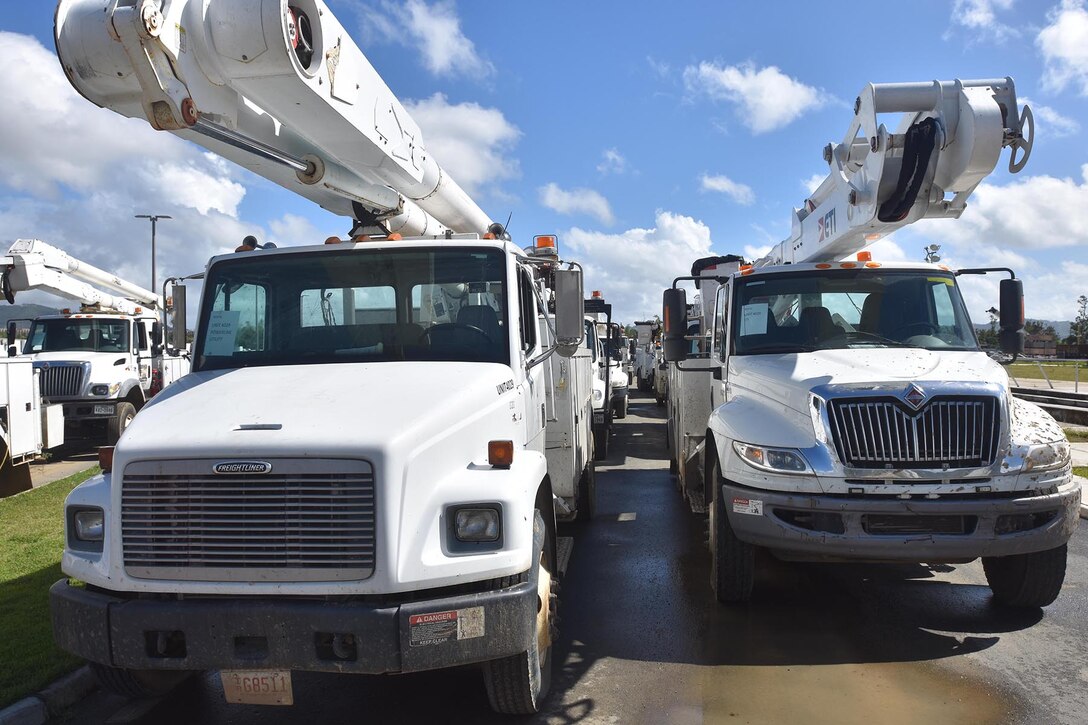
[[883, 433], [61, 381], [305, 520]]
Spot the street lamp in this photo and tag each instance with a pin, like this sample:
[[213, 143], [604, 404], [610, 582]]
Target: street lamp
[[154, 218]]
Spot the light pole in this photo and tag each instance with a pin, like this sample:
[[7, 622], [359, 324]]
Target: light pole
[[154, 218]]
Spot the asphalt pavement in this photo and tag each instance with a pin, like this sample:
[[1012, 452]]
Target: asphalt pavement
[[643, 641]]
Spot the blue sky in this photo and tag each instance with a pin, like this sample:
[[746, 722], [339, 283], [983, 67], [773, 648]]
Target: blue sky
[[644, 134]]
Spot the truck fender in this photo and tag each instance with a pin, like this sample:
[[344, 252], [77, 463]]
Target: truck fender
[[132, 392], [750, 420]]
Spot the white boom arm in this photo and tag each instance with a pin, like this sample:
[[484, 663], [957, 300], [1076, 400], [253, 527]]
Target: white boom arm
[[33, 264], [279, 89], [949, 139]]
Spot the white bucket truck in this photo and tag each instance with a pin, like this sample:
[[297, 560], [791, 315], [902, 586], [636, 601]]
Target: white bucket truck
[[103, 361], [853, 414], [364, 469]]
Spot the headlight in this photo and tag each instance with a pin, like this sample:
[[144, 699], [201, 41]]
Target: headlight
[[778, 460], [105, 389], [1047, 457], [471, 524], [90, 524]]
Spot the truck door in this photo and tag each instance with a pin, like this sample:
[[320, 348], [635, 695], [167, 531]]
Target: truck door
[[535, 409], [141, 351]]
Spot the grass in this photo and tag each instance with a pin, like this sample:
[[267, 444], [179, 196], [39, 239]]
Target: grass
[[1081, 471], [1076, 435], [1055, 370], [31, 542]]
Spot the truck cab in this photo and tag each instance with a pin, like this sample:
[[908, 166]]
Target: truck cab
[[360, 454]]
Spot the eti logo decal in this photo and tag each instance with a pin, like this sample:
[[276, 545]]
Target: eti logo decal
[[242, 467], [826, 225]]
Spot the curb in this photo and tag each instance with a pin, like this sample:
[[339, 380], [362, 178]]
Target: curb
[[52, 700], [1083, 498]]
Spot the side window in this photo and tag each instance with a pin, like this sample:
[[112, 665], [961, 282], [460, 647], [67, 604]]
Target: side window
[[721, 318], [141, 336], [527, 303], [237, 320]]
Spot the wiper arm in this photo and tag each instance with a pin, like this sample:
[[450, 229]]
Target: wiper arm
[[881, 339], [773, 349]]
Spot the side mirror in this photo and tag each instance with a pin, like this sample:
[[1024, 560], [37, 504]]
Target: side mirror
[[1011, 336], [674, 308], [156, 334], [570, 312], [177, 340], [12, 329]]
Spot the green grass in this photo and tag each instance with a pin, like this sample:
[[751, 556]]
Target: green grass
[[1076, 435], [1056, 370], [1080, 471], [31, 542]]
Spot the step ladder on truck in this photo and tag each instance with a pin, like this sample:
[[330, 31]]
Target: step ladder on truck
[[853, 414], [101, 361], [406, 402]]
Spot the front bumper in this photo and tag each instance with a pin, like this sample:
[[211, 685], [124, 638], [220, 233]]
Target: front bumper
[[932, 531], [90, 410], [297, 634]]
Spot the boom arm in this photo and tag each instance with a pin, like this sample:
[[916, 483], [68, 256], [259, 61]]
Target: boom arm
[[280, 89], [949, 139], [33, 264]]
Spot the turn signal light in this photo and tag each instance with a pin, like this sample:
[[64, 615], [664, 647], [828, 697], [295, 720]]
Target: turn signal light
[[395, 237], [332, 240], [500, 454], [105, 458], [823, 265]]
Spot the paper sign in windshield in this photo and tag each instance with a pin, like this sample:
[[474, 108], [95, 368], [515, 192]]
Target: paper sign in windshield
[[222, 329], [753, 319]]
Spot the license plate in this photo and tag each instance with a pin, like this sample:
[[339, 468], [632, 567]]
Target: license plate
[[258, 687], [103, 410], [598, 418]]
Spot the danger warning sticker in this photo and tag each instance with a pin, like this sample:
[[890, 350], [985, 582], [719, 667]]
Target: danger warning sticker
[[751, 506], [438, 627]]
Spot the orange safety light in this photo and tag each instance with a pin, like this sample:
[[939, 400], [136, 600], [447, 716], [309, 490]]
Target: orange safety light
[[488, 235], [544, 240], [746, 272], [105, 458], [332, 240], [500, 454], [865, 256], [823, 265], [596, 295], [395, 237], [139, 310], [361, 238], [848, 265], [66, 311], [872, 237], [872, 265], [744, 267]]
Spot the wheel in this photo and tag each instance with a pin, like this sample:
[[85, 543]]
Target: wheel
[[600, 444], [732, 561], [120, 421], [517, 685], [621, 409], [587, 495], [1026, 580], [137, 684]]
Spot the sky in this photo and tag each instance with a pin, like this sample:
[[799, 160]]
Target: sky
[[644, 135]]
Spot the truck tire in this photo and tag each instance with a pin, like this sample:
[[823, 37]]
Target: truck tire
[[732, 561], [1026, 580], [587, 495], [517, 685], [600, 444], [126, 411], [137, 684], [621, 409]]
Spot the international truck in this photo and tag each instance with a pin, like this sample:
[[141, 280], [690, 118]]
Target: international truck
[[853, 414], [364, 469]]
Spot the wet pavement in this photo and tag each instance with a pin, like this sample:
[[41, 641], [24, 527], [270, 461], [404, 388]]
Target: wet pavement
[[643, 641]]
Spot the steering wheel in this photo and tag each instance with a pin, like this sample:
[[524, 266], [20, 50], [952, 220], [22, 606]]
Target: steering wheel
[[449, 326], [928, 329]]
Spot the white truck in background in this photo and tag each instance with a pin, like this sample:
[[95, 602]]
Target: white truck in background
[[103, 361], [364, 469], [598, 320], [28, 426], [853, 414], [647, 333]]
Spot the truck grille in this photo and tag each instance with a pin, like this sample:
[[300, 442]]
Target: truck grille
[[61, 381], [882, 433], [304, 520]]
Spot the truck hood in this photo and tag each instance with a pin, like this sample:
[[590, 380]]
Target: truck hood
[[787, 379], [337, 410]]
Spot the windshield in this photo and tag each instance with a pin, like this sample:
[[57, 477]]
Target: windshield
[[836, 309], [357, 305], [85, 334]]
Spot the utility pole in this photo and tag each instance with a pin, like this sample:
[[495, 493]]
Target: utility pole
[[154, 218]]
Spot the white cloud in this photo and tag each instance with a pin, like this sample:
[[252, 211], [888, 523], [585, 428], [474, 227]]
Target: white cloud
[[1064, 45], [612, 162], [471, 142], [1052, 123], [1038, 212], [766, 98], [435, 31], [753, 252], [576, 201], [633, 267], [980, 16], [812, 183], [740, 193]]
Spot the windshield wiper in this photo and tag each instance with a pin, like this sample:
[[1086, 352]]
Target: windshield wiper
[[778, 349], [873, 337]]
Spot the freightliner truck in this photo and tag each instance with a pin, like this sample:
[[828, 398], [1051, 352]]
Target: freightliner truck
[[364, 469], [853, 415]]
